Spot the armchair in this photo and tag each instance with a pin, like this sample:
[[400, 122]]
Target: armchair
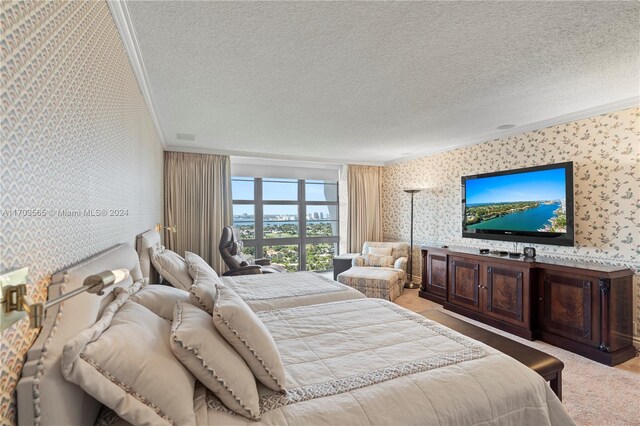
[[380, 271], [239, 263], [399, 253]]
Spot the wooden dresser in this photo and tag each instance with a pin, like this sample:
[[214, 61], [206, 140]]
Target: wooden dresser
[[584, 308]]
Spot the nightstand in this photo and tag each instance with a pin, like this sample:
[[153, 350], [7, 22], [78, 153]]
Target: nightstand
[[342, 262]]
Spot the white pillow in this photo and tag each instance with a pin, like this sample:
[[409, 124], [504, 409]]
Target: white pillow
[[203, 296], [380, 251], [171, 266], [195, 264], [242, 328], [125, 361], [203, 289], [160, 299], [198, 345], [381, 261]]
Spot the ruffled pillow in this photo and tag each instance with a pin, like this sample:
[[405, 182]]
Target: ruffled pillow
[[242, 328], [160, 299], [172, 267], [125, 361], [200, 347], [203, 290]]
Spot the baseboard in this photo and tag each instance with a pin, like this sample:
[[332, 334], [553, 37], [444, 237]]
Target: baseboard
[[636, 343]]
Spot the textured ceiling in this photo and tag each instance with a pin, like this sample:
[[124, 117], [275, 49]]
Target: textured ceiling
[[377, 81]]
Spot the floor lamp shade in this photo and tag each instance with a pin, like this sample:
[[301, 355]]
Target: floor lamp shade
[[409, 284]]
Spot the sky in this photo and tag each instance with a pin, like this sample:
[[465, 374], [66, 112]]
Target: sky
[[530, 186], [281, 189]]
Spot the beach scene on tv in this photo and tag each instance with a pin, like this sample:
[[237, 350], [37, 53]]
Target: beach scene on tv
[[531, 201]]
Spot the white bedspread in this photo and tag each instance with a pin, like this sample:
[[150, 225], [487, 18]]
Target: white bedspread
[[369, 361], [277, 291]]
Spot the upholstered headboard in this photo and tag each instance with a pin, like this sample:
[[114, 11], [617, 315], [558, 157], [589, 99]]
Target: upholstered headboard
[[44, 396], [144, 242]]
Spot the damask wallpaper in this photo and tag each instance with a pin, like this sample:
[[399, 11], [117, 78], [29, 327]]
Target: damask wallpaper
[[606, 155], [81, 163]]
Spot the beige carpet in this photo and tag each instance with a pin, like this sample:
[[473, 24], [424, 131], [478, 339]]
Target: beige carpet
[[593, 394]]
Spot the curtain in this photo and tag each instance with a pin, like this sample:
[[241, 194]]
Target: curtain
[[365, 206], [198, 202]]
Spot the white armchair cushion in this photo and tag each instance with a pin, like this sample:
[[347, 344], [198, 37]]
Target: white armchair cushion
[[398, 249], [380, 251], [378, 261]]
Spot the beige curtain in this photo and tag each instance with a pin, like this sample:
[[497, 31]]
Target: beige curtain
[[197, 196], [365, 206]]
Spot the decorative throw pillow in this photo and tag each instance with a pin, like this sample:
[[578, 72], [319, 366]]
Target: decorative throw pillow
[[380, 261], [160, 299], [171, 266], [203, 291], [203, 295], [200, 347], [125, 361], [242, 328], [380, 251]]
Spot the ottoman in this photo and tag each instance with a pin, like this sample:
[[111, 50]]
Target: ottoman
[[383, 283]]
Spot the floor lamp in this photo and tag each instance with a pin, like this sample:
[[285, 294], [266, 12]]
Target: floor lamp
[[410, 266]]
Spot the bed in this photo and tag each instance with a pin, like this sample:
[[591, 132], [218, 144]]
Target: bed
[[360, 361], [263, 291], [278, 291]]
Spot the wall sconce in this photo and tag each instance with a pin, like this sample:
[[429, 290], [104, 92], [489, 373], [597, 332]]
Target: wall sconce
[[160, 227], [16, 300]]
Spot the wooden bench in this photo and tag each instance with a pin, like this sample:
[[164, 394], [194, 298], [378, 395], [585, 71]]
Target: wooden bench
[[549, 367]]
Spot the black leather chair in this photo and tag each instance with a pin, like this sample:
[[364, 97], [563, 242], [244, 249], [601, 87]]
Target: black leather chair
[[240, 264]]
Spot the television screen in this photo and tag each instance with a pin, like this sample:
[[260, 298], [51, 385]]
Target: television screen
[[529, 205]]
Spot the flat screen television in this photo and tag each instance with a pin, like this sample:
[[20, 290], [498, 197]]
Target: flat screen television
[[530, 205]]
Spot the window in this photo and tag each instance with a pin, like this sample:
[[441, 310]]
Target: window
[[292, 222]]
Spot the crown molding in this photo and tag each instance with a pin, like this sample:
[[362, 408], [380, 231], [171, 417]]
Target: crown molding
[[122, 19], [262, 156], [538, 125]]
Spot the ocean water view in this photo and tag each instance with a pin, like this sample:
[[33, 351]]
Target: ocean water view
[[532, 219]]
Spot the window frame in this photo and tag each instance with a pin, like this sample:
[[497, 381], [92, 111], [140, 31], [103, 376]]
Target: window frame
[[302, 240]]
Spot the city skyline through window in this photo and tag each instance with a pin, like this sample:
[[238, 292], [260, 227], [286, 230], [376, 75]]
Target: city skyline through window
[[293, 222]]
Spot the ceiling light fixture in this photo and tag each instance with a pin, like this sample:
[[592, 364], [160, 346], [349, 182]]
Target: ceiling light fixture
[[506, 126]]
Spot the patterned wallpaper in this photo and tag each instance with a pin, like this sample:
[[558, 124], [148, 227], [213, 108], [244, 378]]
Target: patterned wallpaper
[[76, 135], [606, 155]]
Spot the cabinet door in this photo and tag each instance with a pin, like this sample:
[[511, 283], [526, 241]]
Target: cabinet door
[[507, 294], [437, 274], [465, 283], [567, 304]]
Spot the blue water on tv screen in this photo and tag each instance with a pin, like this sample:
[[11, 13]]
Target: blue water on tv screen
[[530, 201]]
